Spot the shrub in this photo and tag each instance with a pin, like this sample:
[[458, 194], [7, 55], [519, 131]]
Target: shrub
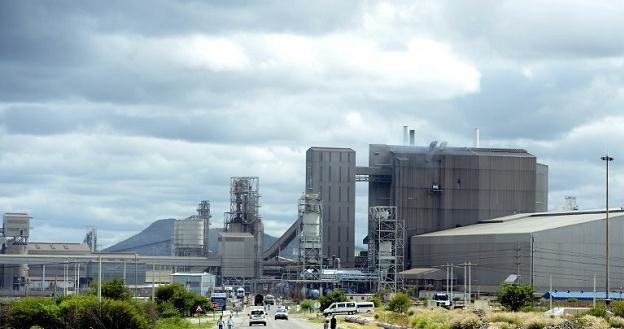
[[465, 321], [167, 310], [113, 289], [335, 296], [617, 307], [375, 299], [307, 305], [616, 322], [598, 311], [5, 315], [400, 303], [79, 311], [184, 301], [514, 296], [592, 322], [506, 317], [117, 314], [34, 311]]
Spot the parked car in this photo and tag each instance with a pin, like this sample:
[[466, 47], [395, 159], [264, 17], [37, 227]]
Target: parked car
[[340, 308], [257, 316], [281, 313]]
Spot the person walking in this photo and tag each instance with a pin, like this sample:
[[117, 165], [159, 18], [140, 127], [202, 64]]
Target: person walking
[[326, 323], [333, 322], [220, 324], [230, 322]]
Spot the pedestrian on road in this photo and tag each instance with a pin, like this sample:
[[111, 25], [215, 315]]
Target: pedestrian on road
[[326, 323], [230, 322], [220, 324], [333, 322]]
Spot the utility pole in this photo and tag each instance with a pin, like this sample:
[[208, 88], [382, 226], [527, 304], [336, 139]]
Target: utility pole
[[607, 159], [518, 261], [100, 279], [550, 292], [467, 281]]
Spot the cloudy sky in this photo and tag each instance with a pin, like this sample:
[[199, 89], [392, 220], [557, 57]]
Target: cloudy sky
[[117, 113]]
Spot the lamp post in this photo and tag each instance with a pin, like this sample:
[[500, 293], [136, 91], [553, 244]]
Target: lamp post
[[607, 159]]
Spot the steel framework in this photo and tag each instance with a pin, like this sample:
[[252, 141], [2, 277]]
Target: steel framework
[[385, 247], [310, 237]]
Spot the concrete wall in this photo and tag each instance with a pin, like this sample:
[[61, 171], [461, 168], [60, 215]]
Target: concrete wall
[[331, 173]]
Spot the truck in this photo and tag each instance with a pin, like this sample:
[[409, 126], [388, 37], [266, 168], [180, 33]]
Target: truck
[[442, 300]]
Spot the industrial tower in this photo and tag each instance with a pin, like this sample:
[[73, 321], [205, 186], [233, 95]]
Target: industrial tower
[[386, 246], [190, 235], [310, 239], [244, 217]]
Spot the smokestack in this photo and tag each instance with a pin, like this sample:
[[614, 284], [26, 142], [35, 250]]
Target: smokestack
[[411, 134], [476, 137], [404, 135]]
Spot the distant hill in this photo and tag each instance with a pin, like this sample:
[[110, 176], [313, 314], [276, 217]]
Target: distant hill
[[155, 240]]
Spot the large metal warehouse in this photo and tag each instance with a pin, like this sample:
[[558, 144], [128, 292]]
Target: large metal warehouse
[[569, 246]]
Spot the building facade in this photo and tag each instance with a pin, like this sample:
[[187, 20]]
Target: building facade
[[437, 188], [330, 172]]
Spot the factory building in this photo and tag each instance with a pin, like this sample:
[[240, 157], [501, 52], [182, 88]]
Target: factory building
[[527, 248], [330, 172], [437, 187]]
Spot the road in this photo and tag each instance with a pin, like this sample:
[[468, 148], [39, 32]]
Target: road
[[293, 322]]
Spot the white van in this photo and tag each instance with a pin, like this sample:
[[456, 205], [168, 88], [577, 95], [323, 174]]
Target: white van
[[365, 307], [340, 308]]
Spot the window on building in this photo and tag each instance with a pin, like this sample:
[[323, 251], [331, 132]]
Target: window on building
[[339, 193], [339, 234], [329, 173]]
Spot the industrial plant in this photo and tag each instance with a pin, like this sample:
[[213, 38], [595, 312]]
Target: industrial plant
[[430, 209]]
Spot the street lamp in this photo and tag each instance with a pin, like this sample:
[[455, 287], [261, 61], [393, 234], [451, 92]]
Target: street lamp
[[607, 159]]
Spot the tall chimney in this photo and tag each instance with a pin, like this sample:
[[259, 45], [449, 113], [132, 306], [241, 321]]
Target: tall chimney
[[404, 135], [411, 134], [476, 137]]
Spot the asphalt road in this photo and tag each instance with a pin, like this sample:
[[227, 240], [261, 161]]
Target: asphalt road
[[293, 322]]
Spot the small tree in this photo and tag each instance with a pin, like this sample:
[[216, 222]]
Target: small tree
[[400, 303], [335, 296], [376, 299], [514, 296], [307, 305], [113, 289]]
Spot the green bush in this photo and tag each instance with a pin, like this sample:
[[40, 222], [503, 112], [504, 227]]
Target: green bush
[[335, 296], [617, 307], [167, 310], [307, 305], [514, 296], [598, 311], [400, 303], [184, 301], [34, 311], [118, 314], [5, 315], [375, 299], [79, 311], [113, 289]]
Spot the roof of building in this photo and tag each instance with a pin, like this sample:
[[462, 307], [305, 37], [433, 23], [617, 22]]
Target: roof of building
[[583, 295], [410, 149], [528, 223], [326, 148], [56, 247]]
